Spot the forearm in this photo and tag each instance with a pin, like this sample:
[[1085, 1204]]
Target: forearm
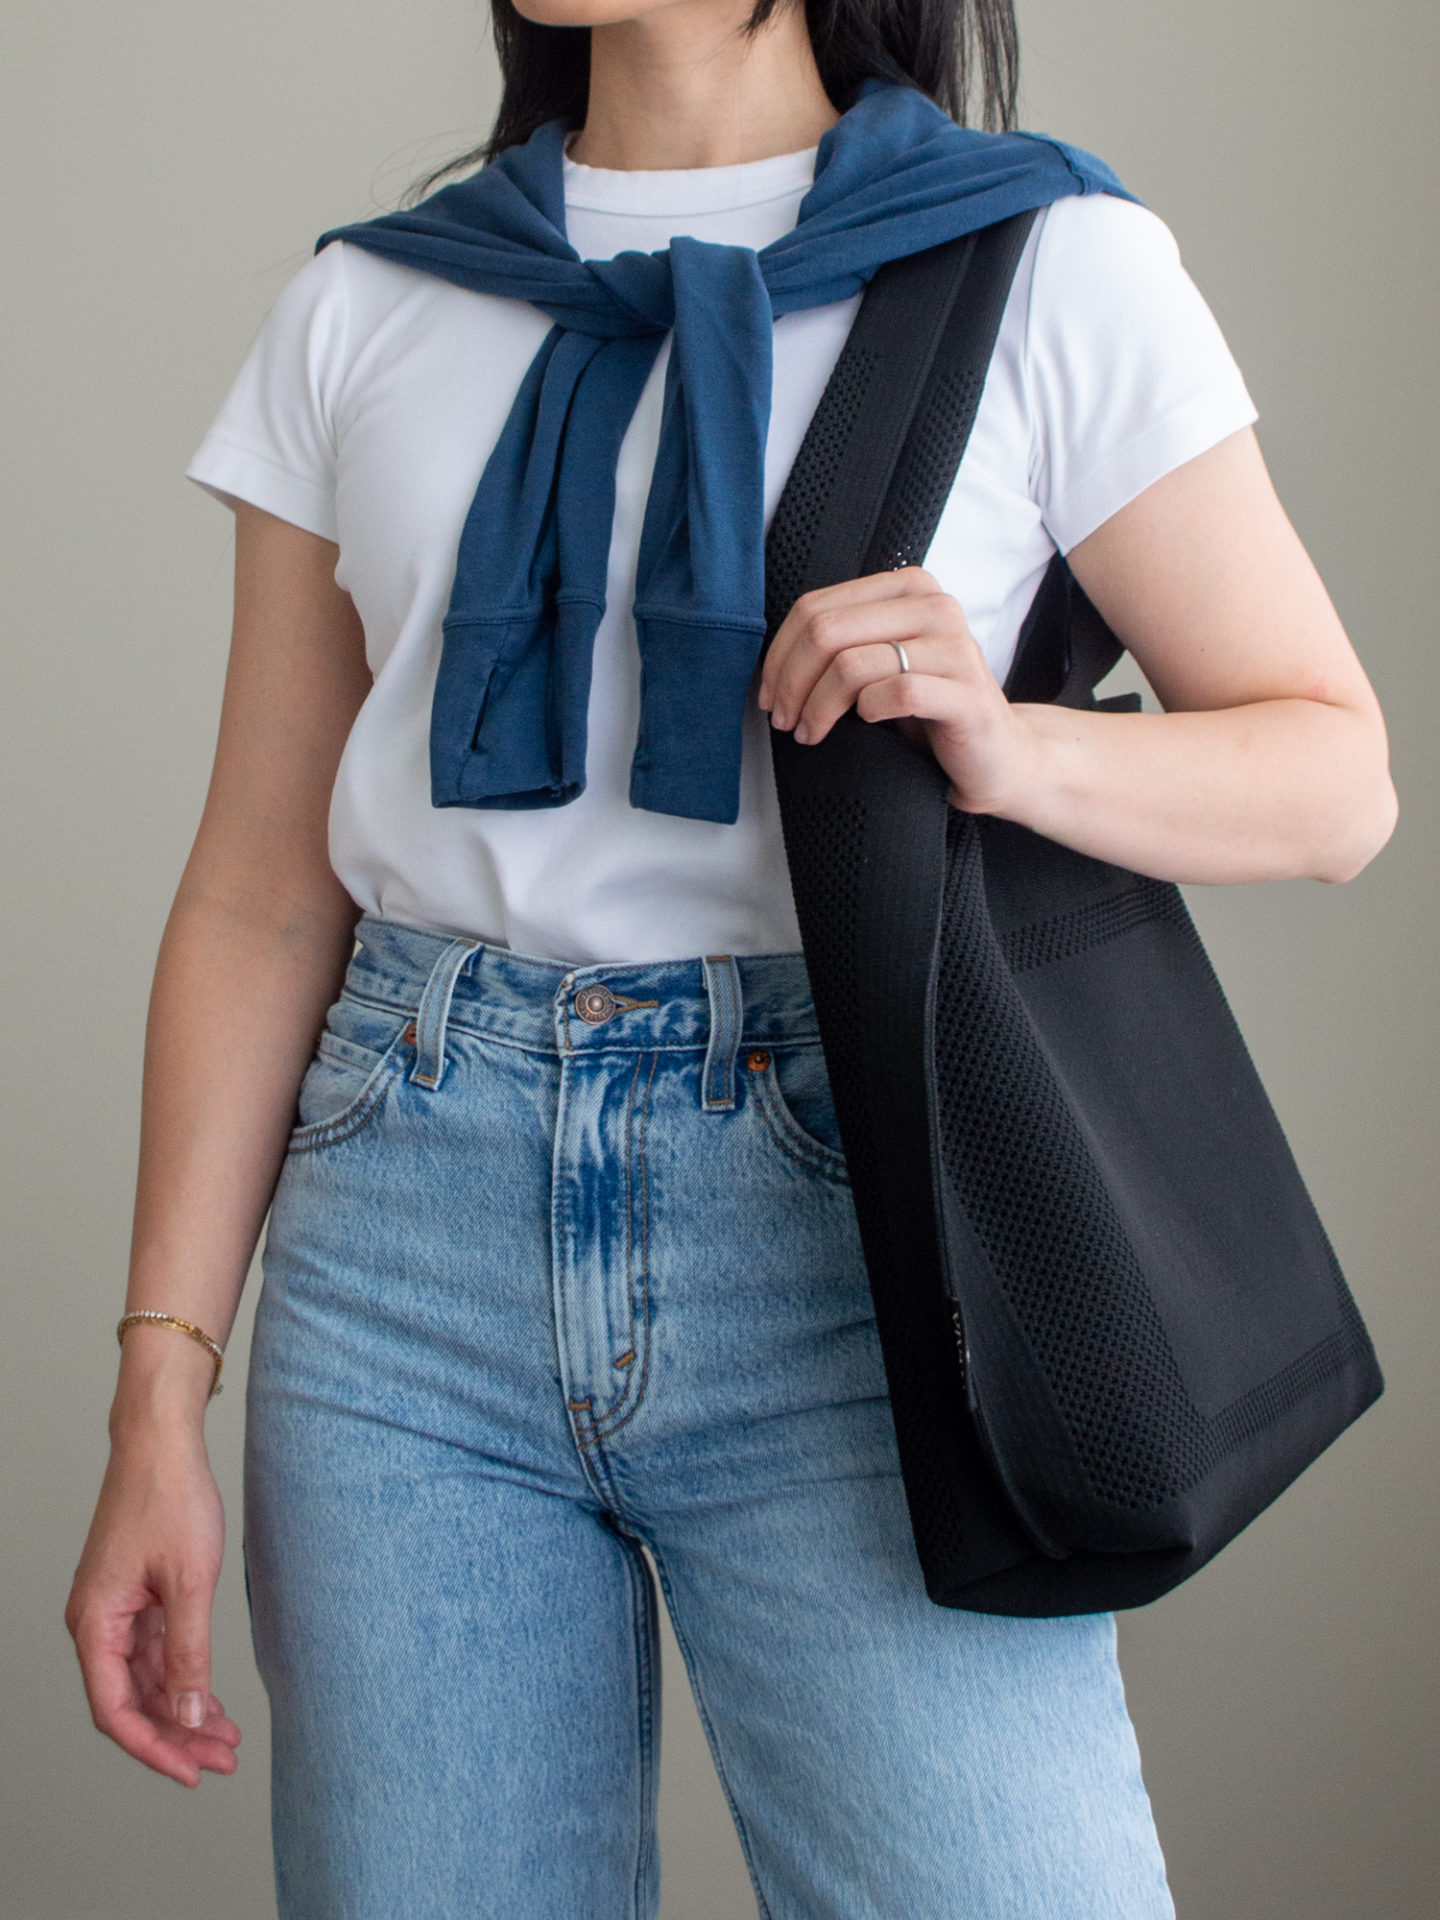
[[254, 951], [1279, 789], [241, 986]]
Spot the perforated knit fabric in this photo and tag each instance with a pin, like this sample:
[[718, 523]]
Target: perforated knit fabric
[[1073, 933], [792, 532], [1042, 1214], [1045, 1218], [926, 473], [825, 838]]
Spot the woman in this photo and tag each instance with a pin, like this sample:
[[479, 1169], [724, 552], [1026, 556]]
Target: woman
[[562, 1262]]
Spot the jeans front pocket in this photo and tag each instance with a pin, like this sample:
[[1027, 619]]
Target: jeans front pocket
[[361, 1049], [792, 1090]]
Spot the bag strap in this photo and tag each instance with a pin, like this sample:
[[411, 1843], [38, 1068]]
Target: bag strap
[[865, 814], [885, 442]]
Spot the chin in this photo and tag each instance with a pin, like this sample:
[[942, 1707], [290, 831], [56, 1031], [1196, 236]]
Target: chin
[[586, 13]]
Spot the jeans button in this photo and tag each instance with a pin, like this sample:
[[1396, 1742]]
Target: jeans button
[[594, 1005]]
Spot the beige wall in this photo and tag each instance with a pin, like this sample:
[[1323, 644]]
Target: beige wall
[[165, 167]]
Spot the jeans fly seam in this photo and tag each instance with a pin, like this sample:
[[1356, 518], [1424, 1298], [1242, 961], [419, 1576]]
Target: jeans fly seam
[[559, 1227], [611, 1422], [630, 1201], [597, 1420], [702, 1709]]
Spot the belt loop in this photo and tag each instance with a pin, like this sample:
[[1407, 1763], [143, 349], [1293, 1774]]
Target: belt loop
[[434, 1010], [722, 985]]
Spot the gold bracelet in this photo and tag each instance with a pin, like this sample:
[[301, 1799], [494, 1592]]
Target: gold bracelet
[[188, 1327]]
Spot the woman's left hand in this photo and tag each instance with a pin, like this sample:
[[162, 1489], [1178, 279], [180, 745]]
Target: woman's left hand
[[1269, 759], [834, 650]]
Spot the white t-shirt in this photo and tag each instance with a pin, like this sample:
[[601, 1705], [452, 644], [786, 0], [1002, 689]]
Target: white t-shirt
[[372, 398]]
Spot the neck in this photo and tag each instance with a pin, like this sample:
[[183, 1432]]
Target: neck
[[680, 87]]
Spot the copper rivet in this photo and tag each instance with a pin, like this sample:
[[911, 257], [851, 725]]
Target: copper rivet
[[409, 1036], [757, 1061]]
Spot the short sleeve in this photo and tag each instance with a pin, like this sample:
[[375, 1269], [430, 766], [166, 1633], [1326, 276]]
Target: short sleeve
[[1128, 373], [273, 441]]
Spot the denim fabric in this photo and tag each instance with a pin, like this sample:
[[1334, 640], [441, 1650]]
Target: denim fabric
[[540, 1288]]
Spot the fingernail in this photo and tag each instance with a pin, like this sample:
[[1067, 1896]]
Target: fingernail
[[190, 1709], [802, 734]]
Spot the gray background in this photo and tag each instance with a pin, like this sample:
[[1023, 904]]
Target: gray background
[[166, 167]]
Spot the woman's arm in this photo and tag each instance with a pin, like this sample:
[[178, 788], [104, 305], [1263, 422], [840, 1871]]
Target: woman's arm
[[253, 953], [1270, 759]]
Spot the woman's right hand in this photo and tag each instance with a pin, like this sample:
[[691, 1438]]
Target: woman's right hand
[[139, 1609]]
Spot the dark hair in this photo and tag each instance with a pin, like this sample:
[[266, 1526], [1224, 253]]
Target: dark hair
[[962, 53]]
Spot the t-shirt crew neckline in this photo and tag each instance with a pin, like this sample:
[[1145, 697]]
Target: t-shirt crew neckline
[[688, 190]]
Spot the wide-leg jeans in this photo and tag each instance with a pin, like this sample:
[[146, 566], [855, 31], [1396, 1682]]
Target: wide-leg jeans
[[563, 1265]]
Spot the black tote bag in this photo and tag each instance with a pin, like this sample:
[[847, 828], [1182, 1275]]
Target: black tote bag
[[1113, 1327]]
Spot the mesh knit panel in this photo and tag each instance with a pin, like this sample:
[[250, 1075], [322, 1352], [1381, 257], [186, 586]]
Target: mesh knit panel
[[797, 518], [1042, 1213], [825, 841], [1049, 941], [926, 473]]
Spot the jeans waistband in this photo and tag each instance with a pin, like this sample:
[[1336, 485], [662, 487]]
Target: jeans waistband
[[720, 1003]]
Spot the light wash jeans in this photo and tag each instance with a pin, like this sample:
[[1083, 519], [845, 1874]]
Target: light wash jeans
[[563, 1260]]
